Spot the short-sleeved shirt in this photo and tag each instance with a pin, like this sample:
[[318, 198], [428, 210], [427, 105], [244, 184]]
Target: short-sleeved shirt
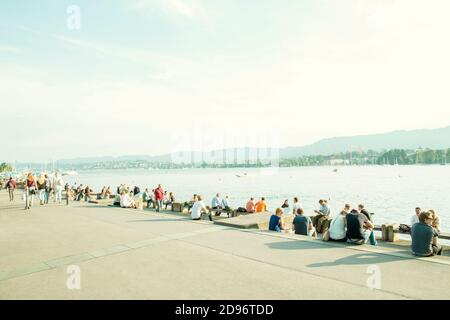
[[250, 207], [216, 202], [355, 223], [301, 224], [261, 206], [296, 206], [422, 238], [274, 222]]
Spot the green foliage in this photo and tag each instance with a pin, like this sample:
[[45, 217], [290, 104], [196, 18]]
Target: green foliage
[[5, 167]]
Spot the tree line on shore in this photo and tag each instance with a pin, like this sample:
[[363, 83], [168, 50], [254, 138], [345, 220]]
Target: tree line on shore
[[370, 157]]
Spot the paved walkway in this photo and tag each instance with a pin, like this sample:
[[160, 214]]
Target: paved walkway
[[130, 254]]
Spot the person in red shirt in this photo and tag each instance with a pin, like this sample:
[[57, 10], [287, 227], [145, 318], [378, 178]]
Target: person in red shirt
[[159, 196], [11, 186], [30, 190]]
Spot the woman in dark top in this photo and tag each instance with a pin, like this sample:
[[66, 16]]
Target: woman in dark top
[[275, 222]]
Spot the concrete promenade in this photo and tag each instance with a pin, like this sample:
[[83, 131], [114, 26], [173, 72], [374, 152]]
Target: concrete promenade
[[131, 254]]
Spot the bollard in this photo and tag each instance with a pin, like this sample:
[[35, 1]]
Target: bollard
[[384, 232], [392, 236]]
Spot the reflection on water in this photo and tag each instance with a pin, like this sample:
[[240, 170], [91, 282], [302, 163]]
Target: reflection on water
[[391, 192]]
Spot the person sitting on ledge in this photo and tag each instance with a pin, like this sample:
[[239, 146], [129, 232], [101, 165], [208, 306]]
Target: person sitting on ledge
[[362, 210], [198, 208], [415, 217], [126, 201], [321, 215], [436, 223], [359, 228], [146, 197], [216, 204], [337, 226], [169, 200], [424, 237], [226, 205], [261, 205], [102, 194], [275, 222], [297, 205], [108, 192], [303, 225], [250, 207], [285, 207]]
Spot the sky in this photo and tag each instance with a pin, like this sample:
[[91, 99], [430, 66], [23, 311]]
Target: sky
[[120, 77]]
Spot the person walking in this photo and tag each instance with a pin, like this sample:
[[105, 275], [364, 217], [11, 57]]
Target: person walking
[[48, 188], [41, 189], [30, 191], [11, 186], [58, 185]]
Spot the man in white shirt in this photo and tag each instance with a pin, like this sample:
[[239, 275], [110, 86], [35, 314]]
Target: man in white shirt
[[337, 226], [297, 205], [415, 217], [198, 208], [126, 201], [58, 185]]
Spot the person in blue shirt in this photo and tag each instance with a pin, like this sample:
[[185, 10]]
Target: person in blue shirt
[[216, 202], [226, 203], [275, 222]]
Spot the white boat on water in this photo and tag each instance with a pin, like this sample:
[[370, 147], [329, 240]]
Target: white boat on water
[[70, 173]]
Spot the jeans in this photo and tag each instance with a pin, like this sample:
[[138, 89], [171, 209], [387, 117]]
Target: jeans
[[58, 193], [158, 205], [11, 194], [42, 195]]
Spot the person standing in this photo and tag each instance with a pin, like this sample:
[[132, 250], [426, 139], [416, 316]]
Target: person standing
[[30, 191], [58, 185], [48, 188], [11, 186], [41, 189], [159, 196]]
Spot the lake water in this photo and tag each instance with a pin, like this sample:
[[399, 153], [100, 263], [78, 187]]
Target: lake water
[[391, 192]]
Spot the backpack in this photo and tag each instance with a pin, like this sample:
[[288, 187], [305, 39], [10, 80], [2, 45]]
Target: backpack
[[404, 228]]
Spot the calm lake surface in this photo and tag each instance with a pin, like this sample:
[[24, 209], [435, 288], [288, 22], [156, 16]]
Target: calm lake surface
[[391, 192]]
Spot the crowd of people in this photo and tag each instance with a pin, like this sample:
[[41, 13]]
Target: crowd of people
[[127, 197], [353, 225]]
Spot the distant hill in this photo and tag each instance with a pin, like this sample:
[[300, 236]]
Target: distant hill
[[425, 138], [413, 139]]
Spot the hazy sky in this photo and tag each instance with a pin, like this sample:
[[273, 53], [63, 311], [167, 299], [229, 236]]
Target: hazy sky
[[153, 76]]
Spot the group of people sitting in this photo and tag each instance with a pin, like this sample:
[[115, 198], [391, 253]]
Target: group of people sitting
[[132, 198], [350, 225]]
